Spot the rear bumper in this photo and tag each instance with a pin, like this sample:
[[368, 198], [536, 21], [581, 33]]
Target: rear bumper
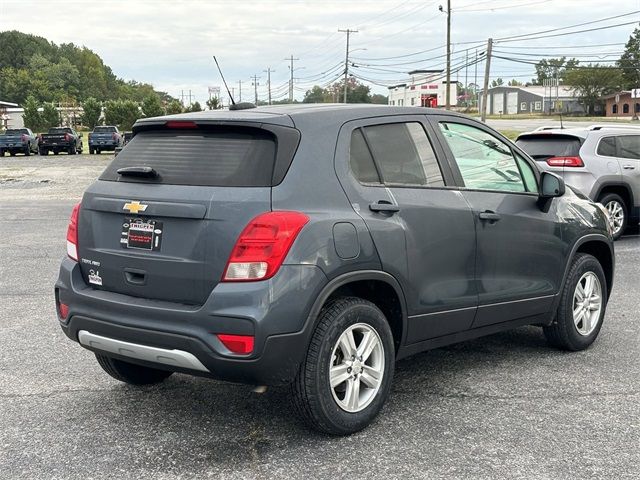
[[103, 144], [274, 311]]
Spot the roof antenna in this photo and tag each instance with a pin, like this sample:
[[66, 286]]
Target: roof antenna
[[233, 102]]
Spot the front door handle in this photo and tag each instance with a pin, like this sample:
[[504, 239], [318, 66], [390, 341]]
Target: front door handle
[[489, 216], [628, 167], [384, 206]]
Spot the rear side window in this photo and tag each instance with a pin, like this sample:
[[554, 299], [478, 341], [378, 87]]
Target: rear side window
[[607, 147], [629, 146], [221, 157], [542, 147], [401, 151]]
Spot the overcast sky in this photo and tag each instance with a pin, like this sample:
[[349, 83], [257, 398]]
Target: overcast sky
[[170, 43]]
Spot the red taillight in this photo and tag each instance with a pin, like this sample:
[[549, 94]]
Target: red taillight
[[113, 136], [241, 344], [263, 245], [24, 138], [180, 124], [565, 162], [72, 234], [63, 311], [67, 137]]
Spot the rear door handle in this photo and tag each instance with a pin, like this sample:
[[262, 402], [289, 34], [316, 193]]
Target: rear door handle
[[489, 216], [384, 206], [628, 167]]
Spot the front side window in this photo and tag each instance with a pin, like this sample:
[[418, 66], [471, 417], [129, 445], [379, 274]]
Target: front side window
[[629, 146], [485, 162]]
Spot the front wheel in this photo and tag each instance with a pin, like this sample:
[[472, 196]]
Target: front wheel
[[131, 373], [346, 376], [582, 306], [617, 213]]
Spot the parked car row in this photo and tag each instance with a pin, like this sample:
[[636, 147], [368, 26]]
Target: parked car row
[[602, 161], [61, 139]]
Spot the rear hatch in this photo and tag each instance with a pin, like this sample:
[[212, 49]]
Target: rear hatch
[[56, 137], [103, 134], [163, 218], [552, 151]]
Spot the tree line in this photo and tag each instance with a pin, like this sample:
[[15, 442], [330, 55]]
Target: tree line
[[123, 113]]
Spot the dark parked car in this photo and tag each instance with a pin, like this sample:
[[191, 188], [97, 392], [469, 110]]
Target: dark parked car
[[105, 139], [18, 140], [313, 246], [60, 139]]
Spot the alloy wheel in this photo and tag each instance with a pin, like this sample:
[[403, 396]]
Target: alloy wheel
[[616, 215], [587, 303]]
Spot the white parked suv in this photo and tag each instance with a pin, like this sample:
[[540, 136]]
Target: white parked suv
[[602, 161]]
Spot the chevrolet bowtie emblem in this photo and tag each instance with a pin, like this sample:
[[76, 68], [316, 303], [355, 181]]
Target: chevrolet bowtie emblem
[[135, 206]]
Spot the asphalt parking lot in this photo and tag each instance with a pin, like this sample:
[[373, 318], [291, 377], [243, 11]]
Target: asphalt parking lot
[[502, 406]]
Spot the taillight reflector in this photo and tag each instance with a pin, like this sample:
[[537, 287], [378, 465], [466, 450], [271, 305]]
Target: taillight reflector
[[263, 245], [72, 234], [565, 162], [63, 311], [241, 344]]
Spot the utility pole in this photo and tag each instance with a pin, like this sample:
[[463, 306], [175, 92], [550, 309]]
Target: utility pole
[[475, 81], [466, 79], [346, 62], [487, 69], [448, 89], [291, 59], [190, 97], [268, 72], [239, 91], [255, 88], [182, 97]]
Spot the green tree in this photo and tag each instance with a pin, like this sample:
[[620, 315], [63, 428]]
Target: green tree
[[356, 93], [497, 82], [31, 116], [592, 82], [514, 83], [316, 95], [122, 113], [151, 106], [194, 107], [50, 116], [547, 68], [174, 107], [92, 110], [214, 103], [629, 62]]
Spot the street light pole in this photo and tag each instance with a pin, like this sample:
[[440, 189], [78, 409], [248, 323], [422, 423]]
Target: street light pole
[[448, 89]]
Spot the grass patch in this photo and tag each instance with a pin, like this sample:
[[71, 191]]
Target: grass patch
[[510, 134]]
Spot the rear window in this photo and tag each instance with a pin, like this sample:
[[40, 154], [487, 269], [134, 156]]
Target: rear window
[[59, 130], [541, 147], [17, 131], [104, 129], [221, 157]]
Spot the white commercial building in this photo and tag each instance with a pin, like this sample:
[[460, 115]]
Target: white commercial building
[[425, 88]]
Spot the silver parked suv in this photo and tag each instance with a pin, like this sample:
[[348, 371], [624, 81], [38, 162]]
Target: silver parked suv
[[603, 161]]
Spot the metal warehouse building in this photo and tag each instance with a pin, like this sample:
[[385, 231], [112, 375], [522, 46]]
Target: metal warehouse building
[[505, 100]]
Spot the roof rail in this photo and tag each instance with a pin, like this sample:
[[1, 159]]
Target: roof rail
[[614, 126], [547, 127]]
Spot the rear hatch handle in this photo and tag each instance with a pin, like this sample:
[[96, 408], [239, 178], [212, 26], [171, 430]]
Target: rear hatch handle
[[134, 276], [137, 172]]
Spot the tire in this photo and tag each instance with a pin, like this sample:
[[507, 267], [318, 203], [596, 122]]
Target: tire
[[72, 150], [27, 152], [12, 153], [567, 332], [56, 152], [43, 151], [131, 373], [317, 403], [91, 151], [619, 211], [1, 153]]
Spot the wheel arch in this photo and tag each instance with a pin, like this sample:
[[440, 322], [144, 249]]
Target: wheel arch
[[601, 248], [380, 288], [619, 188]]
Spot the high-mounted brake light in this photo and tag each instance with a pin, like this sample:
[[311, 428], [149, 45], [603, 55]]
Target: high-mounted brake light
[[180, 124], [241, 344], [565, 162], [263, 245], [72, 234]]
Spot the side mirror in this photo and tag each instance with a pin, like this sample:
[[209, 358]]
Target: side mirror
[[551, 185]]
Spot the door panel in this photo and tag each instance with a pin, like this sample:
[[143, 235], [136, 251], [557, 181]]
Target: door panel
[[519, 261], [428, 242]]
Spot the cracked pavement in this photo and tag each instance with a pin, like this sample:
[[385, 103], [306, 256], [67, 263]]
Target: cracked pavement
[[506, 405]]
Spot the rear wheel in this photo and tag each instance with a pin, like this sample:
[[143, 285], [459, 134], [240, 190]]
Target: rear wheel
[[131, 373], [346, 376], [27, 151], [617, 213], [43, 151], [582, 306], [56, 152], [12, 153]]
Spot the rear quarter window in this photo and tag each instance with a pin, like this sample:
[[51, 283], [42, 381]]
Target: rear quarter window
[[607, 147], [219, 157]]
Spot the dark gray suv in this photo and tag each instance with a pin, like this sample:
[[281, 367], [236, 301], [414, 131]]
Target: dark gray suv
[[314, 245]]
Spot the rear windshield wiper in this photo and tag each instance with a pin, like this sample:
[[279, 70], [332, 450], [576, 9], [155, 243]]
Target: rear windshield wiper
[[137, 172]]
